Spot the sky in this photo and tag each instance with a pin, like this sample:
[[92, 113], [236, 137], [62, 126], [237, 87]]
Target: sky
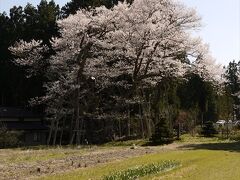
[[221, 27], [220, 19]]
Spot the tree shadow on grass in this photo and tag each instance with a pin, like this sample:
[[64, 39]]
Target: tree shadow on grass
[[230, 146]]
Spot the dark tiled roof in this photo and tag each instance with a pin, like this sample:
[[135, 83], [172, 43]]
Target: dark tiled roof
[[25, 126], [14, 112]]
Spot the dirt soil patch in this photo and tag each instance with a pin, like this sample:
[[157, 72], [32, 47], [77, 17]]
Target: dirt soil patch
[[94, 156]]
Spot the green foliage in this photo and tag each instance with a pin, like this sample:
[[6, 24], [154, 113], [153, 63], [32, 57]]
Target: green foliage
[[235, 135], [231, 75], [232, 84], [9, 138], [141, 171], [201, 95], [208, 129], [26, 23], [163, 134], [225, 105], [74, 5]]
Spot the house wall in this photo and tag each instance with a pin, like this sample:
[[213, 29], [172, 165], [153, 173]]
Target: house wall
[[32, 119], [8, 119], [35, 138]]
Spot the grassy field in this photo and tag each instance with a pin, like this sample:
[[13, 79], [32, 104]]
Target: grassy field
[[199, 158], [201, 163]]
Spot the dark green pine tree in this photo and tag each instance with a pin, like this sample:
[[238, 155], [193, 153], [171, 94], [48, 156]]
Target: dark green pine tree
[[74, 5], [27, 23], [200, 94], [162, 134], [232, 72], [11, 76], [233, 84], [208, 130]]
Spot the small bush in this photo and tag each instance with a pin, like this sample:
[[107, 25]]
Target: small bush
[[208, 129], [141, 171], [163, 134], [235, 135], [9, 138]]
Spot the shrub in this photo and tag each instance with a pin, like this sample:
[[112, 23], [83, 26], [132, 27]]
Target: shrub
[[235, 135], [208, 129], [162, 134], [9, 138]]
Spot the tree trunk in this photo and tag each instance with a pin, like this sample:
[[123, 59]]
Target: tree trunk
[[120, 128], [72, 137], [71, 134], [178, 132], [141, 122], [145, 113], [148, 120], [77, 124], [129, 123], [55, 132], [61, 135], [50, 132], [81, 58], [227, 126]]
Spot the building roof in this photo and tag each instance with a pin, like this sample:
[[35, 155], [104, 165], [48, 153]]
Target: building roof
[[15, 112]]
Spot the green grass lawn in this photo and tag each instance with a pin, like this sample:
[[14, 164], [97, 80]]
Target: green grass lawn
[[200, 158], [196, 164], [209, 159]]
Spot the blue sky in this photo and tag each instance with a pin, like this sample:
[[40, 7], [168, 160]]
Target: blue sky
[[220, 18], [221, 27]]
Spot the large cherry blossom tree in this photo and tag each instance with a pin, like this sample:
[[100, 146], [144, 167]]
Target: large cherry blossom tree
[[147, 40]]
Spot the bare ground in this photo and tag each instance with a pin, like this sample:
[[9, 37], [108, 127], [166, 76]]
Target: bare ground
[[92, 157]]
